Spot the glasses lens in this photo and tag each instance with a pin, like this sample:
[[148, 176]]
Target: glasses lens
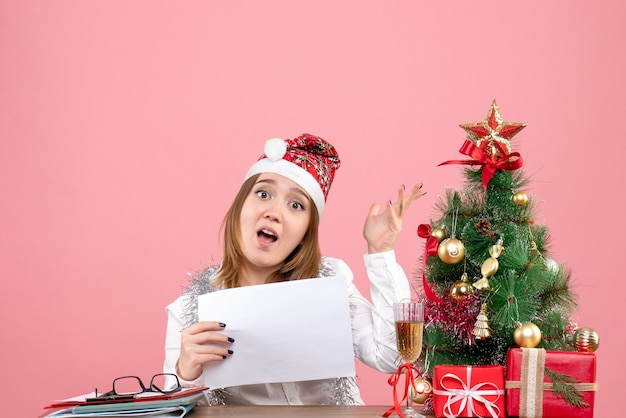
[[165, 383], [127, 385]]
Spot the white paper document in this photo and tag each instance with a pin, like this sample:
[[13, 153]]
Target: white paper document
[[284, 332]]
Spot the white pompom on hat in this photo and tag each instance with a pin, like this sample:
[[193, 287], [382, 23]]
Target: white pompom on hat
[[307, 160]]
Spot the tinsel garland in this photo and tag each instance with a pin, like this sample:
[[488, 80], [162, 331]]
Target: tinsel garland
[[455, 317]]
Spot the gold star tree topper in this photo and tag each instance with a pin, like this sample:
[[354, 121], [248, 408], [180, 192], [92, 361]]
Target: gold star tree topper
[[493, 135]]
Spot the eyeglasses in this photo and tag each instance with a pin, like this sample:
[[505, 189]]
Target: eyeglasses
[[133, 385]]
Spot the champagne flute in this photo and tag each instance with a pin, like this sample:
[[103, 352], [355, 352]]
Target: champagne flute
[[409, 319]]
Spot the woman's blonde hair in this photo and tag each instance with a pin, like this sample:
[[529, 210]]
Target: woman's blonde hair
[[302, 263]]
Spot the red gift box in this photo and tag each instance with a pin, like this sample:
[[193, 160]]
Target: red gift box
[[468, 391], [529, 391]]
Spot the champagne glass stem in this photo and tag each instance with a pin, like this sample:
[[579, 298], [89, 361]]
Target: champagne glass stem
[[409, 412], [408, 389]]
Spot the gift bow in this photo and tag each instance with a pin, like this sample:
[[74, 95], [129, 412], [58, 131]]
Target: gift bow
[[509, 161], [468, 395]]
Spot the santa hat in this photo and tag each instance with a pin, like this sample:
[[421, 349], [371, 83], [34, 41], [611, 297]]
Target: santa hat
[[307, 160]]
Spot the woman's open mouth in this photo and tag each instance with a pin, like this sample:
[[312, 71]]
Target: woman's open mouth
[[267, 236]]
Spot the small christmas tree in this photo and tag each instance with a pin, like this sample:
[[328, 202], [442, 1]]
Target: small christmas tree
[[487, 277]]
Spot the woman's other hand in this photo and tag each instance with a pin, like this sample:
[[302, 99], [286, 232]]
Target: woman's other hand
[[199, 344]]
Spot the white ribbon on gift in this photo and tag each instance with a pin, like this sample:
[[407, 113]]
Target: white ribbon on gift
[[468, 395]]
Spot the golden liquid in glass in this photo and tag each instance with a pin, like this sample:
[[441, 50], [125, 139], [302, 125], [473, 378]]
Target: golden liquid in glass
[[409, 340]]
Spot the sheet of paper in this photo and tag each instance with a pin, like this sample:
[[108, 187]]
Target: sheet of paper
[[284, 332]]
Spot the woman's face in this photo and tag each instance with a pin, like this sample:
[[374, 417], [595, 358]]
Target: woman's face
[[274, 219]]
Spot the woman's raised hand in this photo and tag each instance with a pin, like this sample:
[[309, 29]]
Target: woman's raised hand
[[382, 228]]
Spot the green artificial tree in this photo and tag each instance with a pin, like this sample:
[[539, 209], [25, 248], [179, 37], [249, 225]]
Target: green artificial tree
[[488, 280]]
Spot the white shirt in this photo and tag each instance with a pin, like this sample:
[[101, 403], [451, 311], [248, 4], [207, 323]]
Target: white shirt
[[373, 334]]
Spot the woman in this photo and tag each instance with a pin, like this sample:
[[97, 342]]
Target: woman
[[271, 235]]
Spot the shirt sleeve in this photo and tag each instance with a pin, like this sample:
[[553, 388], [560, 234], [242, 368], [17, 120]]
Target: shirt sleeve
[[172, 342], [373, 327]]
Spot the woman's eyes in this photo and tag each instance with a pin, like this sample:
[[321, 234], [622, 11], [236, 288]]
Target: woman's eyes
[[297, 205], [294, 204], [263, 194]]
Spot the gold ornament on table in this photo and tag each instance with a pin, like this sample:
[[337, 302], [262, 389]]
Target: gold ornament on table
[[490, 266], [527, 335], [481, 327], [586, 340], [421, 393], [439, 234], [520, 198], [451, 250]]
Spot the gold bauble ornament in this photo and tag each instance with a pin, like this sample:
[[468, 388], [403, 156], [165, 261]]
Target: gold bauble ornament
[[520, 198], [527, 335], [586, 340], [439, 234], [461, 288], [423, 392], [451, 250]]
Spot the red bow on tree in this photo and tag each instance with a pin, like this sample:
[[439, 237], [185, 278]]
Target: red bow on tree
[[490, 163]]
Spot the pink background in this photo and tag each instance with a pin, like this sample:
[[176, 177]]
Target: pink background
[[126, 127]]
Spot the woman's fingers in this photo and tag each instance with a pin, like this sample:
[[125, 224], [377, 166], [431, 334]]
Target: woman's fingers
[[205, 332], [201, 343], [405, 199], [206, 338]]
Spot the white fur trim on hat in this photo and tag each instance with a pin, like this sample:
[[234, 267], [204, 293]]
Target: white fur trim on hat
[[294, 173]]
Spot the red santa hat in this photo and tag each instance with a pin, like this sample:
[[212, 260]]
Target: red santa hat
[[307, 160]]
